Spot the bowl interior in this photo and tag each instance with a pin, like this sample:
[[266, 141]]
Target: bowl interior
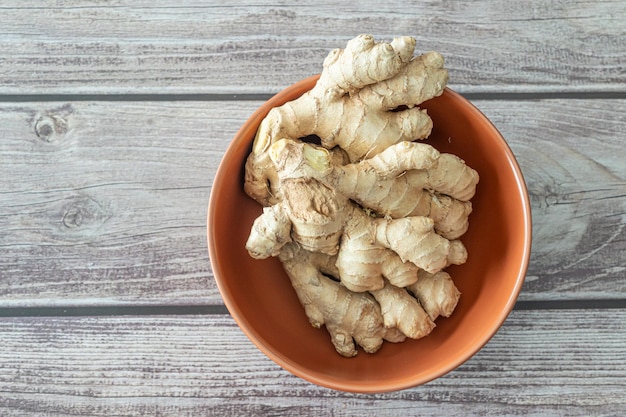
[[260, 298]]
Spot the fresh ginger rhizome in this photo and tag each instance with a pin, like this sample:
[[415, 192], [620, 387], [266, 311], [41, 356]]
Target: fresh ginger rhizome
[[366, 221]]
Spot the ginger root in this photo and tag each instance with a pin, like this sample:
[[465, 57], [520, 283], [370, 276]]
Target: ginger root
[[349, 317], [365, 221], [351, 106], [436, 293]]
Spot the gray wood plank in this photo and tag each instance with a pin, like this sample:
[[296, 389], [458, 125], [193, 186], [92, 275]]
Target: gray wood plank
[[541, 363], [104, 203], [572, 156], [194, 46]]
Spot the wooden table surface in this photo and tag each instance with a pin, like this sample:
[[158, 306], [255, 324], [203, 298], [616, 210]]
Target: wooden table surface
[[114, 117]]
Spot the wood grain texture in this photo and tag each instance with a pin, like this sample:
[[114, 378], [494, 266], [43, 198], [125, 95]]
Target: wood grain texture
[[572, 156], [541, 363], [196, 46], [105, 203]]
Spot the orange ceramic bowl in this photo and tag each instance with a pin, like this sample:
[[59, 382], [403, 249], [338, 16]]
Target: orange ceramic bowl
[[260, 298]]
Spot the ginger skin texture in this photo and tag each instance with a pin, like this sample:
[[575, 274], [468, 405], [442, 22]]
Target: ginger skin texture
[[365, 220], [351, 106], [350, 318]]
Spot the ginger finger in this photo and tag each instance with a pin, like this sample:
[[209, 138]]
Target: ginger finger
[[369, 247], [365, 62], [376, 130], [398, 273], [270, 232], [451, 176], [359, 260], [348, 316], [414, 239], [422, 79], [402, 311], [451, 216], [363, 264], [396, 159], [436, 293]]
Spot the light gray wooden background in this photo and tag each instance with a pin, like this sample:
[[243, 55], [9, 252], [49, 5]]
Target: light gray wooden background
[[114, 117]]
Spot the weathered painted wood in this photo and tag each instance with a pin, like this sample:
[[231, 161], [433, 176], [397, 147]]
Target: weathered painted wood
[[105, 203], [248, 46], [541, 363], [572, 155]]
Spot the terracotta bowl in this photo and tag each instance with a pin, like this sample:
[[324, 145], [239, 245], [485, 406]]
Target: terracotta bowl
[[260, 298]]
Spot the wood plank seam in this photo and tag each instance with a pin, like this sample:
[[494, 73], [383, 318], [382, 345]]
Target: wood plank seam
[[206, 310], [488, 95]]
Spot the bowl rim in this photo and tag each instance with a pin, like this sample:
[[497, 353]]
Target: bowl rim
[[289, 93]]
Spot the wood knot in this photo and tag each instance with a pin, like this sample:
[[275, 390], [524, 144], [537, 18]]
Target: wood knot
[[545, 197], [74, 216], [83, 215], [53, 124], [50, 128]]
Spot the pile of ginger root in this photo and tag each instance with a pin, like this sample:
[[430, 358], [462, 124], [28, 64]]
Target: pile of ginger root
[[363, 217]]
